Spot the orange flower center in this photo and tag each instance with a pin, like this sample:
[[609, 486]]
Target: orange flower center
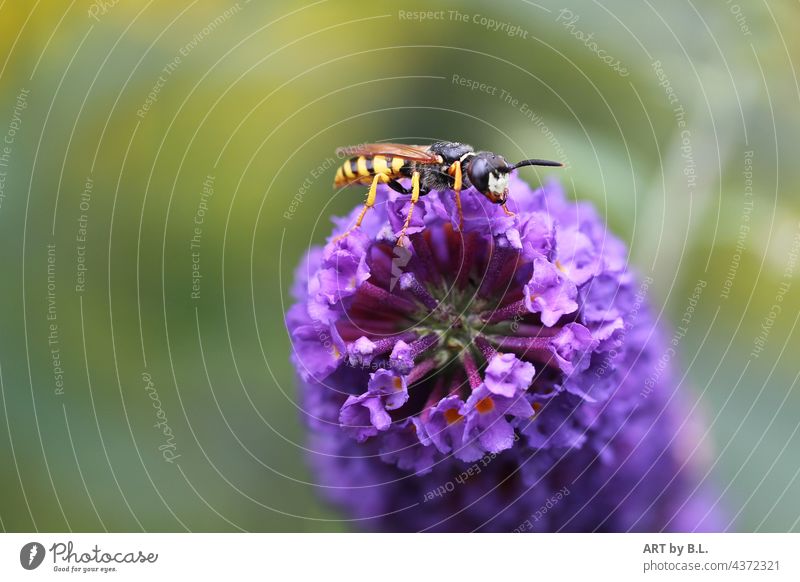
[[451, 415], [485, 405]]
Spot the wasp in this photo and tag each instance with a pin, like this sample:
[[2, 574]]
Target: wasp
[[443, 165]]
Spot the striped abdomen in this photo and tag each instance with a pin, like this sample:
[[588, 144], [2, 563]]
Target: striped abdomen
[[361, 169]]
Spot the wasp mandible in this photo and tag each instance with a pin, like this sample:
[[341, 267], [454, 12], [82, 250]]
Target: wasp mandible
[[443, 165]]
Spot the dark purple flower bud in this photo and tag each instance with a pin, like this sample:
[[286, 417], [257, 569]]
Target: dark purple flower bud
[[492, 378]]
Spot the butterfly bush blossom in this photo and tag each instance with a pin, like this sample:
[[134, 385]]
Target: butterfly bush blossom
[[503, 376]]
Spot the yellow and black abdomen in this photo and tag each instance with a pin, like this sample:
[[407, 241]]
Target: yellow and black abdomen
[[361, 169]]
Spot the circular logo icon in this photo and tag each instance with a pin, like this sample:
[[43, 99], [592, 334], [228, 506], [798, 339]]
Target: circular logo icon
[[31, 555]]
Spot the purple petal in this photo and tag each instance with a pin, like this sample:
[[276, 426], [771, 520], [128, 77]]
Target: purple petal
[[550, 293], [507, 375], [572, 347], [577, 256]]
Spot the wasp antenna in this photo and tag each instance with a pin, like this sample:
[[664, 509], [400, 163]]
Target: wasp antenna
[[535, 162]]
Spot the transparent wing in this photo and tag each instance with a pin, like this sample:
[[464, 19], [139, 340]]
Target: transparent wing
[[417, 153]]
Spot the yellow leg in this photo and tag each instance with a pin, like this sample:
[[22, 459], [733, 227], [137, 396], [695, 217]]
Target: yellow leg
[[414, 199], [455, 170], [368, 204], [507, 211]]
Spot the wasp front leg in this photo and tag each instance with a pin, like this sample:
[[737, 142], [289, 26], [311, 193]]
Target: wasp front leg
[[368, 204], [455, 171], [414, 200]]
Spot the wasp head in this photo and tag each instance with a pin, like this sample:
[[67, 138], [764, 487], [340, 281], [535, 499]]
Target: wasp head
[[488, 173]]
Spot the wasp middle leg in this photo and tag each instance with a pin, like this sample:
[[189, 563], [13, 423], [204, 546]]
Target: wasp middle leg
[[455, 171], [368, 204], [414, 199]]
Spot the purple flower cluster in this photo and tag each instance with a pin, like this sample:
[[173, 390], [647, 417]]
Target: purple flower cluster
[[460, 382]]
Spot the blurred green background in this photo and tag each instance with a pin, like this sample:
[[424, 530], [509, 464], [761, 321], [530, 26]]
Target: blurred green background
[[124, 123]]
